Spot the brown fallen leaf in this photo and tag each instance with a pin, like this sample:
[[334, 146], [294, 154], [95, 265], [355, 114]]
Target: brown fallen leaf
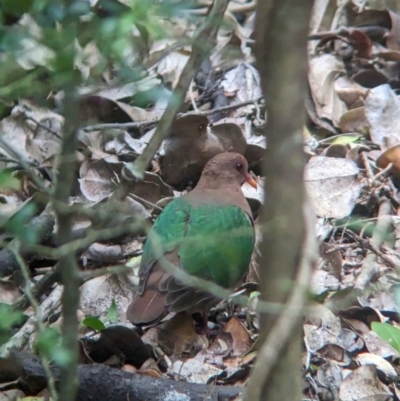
[[323, 71], [363, 383], [150, 368], [391, 155], [240, 336], [332, 259], [382, 110], [332, 185], [353, 120], [9, 291], [177, 336], [393, 38], [191, 143], [349, 91]]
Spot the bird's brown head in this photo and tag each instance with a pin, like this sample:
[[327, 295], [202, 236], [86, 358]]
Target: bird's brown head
[[228, 168]]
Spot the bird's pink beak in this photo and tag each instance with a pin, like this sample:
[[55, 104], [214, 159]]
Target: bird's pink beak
[[250, 180]]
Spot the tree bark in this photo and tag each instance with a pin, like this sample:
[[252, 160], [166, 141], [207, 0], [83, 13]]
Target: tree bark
[[281, 52], [100, 382]]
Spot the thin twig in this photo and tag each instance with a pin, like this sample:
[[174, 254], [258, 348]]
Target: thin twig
[[117, 269], [37, 290], [38, 313], [142, 124], [367, 166], [43, 126], [382, 173], [370, 266], [142, 200], [93, 235], [25, 164], [204, 39]]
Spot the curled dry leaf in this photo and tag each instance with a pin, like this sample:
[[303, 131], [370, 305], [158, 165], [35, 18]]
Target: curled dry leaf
[[243, 82], [194, 371], [393, 39], [322, 74], [9, 291], [43, 140], [332, 185], [32, 142], [381, 364], [97, 180], [240, 336], [150, 368], [191, 143], [363, 383], [98, 293], [350, 92], [171, 66], [322, 282], [391, 155], [99, 108], [330, 376], [332, 259], [326, 329], [177, 336], [335, 150], [130, 89], [353, 120], [382, 110], [138, 146]]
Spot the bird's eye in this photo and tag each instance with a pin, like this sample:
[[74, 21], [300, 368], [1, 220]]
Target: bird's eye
[[239, 166]]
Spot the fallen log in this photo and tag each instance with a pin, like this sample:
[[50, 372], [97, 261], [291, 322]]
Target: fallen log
[[101, 382]]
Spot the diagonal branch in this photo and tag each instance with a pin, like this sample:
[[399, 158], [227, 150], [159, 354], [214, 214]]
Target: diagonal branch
[[204, 41]]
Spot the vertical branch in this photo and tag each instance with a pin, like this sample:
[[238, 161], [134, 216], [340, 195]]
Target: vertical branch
[[67, 266], [64, 174], [281, 44]]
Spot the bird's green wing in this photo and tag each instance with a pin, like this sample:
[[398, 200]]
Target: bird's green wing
[[167, 232], [213, 241], [218, 243]]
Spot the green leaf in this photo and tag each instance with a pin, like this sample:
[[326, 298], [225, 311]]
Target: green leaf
[[254, 294], [8, 319], [345, 139], [7, 180], [93, 323], [49, 345], [388, 333], [16, 224], [112, 314]]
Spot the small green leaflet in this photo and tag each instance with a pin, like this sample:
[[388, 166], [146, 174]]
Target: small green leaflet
[[254, 294], [112, 314], [7, 180], [93, 323], [49, 344], [345, 139], [388, 333]]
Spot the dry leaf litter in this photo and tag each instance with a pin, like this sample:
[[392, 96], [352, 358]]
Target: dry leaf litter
[[352, 176]]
